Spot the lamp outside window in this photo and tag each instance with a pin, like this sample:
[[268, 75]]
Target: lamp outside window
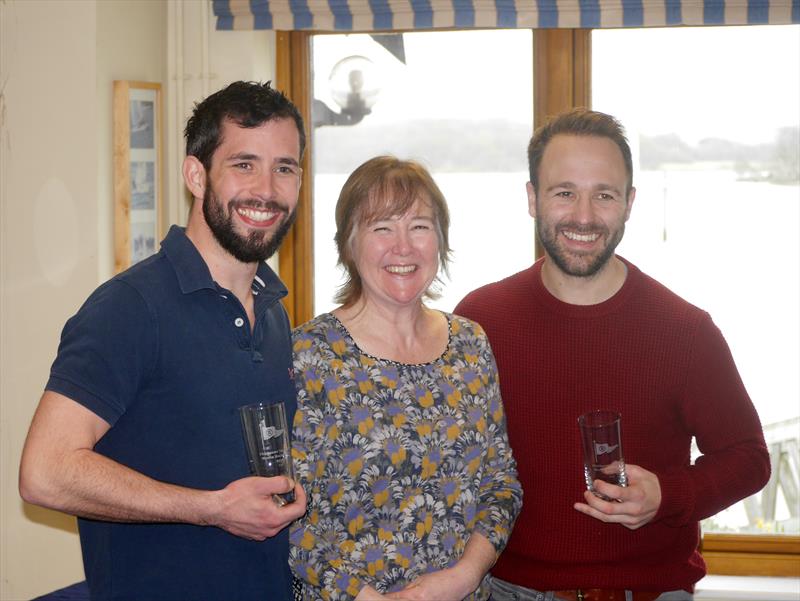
[[354, 85]]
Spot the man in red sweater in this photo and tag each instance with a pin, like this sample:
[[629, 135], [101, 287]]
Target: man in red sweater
[[584, 329]]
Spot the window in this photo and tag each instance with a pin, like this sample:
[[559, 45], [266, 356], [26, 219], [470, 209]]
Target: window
[[716, 130], [454, 101], [563, 77]]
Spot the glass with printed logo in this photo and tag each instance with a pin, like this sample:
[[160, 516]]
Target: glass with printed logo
[[601, 435], [269, 447]]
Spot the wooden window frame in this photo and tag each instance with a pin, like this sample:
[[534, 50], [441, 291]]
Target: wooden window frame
[[296, 256], [751, 555], [562, 80]]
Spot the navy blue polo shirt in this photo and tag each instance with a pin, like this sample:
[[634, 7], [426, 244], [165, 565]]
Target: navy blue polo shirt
[[166, 356]]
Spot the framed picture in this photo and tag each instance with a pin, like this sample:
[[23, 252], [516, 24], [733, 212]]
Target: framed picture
[[138, 178]]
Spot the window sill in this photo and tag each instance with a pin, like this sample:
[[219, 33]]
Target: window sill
[[734, 555], [747, 588]]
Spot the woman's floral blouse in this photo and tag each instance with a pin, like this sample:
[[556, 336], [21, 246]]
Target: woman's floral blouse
[[401, 462]]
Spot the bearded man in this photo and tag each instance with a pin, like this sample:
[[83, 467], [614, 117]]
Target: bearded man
[[137, 432], [584, 329]]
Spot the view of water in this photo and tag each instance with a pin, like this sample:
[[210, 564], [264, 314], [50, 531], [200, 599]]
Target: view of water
[[722, 244], [719, 243]]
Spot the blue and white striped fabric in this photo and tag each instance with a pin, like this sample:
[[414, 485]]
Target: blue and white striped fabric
[[379, 15]]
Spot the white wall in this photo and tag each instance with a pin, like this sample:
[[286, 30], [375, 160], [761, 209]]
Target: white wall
[[58, 59], [131, 43], [48, 169]]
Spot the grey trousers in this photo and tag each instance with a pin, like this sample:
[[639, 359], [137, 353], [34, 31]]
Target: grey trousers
[[505, 591]]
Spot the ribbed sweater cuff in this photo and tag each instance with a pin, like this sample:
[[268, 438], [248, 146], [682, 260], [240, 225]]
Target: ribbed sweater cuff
[[677, 498]]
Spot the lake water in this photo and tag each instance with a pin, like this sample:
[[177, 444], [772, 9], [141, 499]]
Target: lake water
[[727, 246]]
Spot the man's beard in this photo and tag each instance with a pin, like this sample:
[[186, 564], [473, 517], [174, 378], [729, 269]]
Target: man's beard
[[250, 248], [578, 265]]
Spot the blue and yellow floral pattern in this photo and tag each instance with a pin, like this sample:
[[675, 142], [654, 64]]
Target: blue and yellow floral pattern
[[401, 462]]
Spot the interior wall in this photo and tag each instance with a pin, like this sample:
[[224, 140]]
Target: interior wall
[[49, 251], [131, 45], [58, 60]]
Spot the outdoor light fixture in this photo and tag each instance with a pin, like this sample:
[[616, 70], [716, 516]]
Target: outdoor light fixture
[[354, 85]]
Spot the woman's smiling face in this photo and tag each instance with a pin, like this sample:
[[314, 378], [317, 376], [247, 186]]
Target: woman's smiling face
[[397, 257]]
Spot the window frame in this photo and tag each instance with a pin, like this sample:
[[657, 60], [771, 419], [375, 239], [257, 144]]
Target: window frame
[[562, 80], [296, 256]]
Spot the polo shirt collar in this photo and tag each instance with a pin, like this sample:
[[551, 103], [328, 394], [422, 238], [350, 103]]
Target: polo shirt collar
[[193, 274], [267, 286]]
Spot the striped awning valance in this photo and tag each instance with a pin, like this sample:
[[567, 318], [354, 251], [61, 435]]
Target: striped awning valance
[[380, 15]]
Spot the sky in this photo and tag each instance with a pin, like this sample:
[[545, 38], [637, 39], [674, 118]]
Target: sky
[[752, 70], [736, 71], [456, 61]]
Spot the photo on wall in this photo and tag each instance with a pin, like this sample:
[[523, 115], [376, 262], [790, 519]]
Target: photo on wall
[[141, 124], [137, 171], [143, 189]]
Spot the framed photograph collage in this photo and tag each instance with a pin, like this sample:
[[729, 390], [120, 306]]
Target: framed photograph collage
[[137, 171]]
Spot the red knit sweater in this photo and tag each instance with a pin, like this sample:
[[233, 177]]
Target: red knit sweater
[[665, 366]]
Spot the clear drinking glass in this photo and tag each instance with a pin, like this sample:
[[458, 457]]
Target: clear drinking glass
[[601, 435], [269, 446]]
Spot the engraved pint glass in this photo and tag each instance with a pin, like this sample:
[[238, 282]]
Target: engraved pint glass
[[602, 449], [269, 449]]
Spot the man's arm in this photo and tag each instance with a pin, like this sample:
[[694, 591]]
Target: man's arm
[[734, 461], [60, 470]]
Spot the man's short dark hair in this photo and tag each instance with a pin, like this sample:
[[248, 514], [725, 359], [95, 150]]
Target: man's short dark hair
[[247, 104], [578, 122]]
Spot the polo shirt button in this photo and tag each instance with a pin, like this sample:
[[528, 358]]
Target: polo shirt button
[[239, 322]]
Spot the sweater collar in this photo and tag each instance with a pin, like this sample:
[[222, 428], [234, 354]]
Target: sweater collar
[[609, 305]]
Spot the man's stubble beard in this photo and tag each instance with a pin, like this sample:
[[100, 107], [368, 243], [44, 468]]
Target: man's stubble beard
[[577, 265]]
